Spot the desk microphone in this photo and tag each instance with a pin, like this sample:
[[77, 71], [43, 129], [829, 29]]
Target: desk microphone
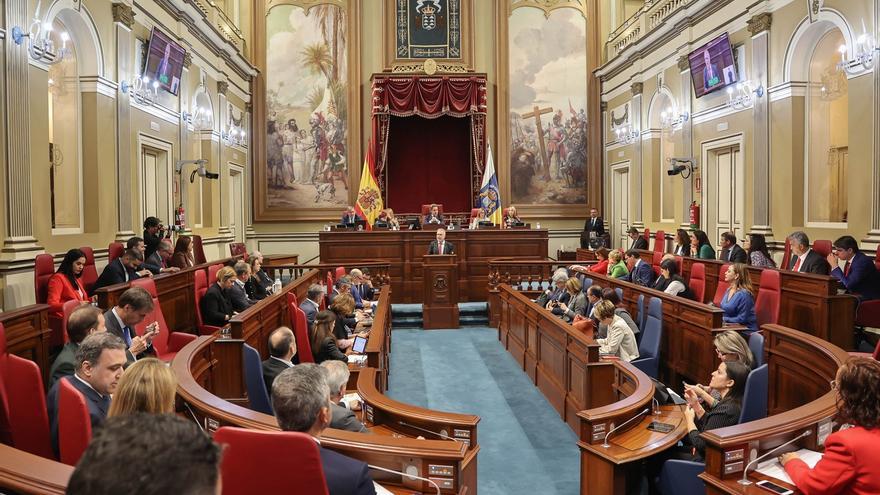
[[745, 481], [442, 434], [630, 420], [655, 405], [407, 475]]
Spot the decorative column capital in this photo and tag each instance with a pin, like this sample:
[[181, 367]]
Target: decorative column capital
[[603, 106], [187, 59], [249, 107], [123, 14], [222, 87], [637, 88], [683, 63], [760, 23]]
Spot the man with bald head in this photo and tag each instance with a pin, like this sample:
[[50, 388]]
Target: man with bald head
[[282, 348]]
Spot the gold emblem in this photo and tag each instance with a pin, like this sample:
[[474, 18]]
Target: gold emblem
[[430, 66]]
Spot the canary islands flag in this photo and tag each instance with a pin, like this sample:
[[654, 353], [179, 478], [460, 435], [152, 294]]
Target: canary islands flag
[[369, 197], [490, 197]]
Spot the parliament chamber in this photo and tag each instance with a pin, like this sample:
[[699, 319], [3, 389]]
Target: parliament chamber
[[635, 244]]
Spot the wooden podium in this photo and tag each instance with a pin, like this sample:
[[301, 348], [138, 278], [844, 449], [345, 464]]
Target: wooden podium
[[440, 306]]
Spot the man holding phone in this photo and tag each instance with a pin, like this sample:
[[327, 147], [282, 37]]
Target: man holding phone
[[133, 306]]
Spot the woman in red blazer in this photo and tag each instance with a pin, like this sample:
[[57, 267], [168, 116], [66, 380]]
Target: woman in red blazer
[[65, 284], [849, 464], [602, 265]]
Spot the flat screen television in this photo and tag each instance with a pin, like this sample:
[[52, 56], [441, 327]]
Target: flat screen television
[[164, 62], [713, 66]]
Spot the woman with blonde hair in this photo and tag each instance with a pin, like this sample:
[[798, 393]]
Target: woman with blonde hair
[[738, 302], [215, 305], [730, 346], [147, 386], [616, 266]]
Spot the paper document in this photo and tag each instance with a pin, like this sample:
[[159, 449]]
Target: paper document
[[359, 359], [771, 467], [381, 490], [350, 397]]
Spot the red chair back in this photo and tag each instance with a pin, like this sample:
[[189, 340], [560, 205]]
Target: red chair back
[[270, 462], [300, 326], [201, 286], [74, 424], [238, 249], [786, 255], [504, 212], [868, 314], [822, 247], [680, 262], [698, 281], [660, 241], [769, 296], [722, 285], [339, 273], [165, 343], [90, 272], [44, 267], [115, 250], [657, 257], [877, 258], [66, 309], [212, 272], [329, 283], [198, 250], [474, 213], [647, 234]]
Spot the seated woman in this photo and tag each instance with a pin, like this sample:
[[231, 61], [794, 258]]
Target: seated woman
[[481, 217], [215, 304], [616, 266], [511, 218], [700, 246], [183, 253], [549, 299], [756, 247], [849, 464], [674, 284], [738, 302], [322, 340], [682, 243], [577, 301], [259, 285], [620, 341], [610, 295], [345, 323], [602, 265], [729, 346], [147, 386], [729, 382], [65, 284]]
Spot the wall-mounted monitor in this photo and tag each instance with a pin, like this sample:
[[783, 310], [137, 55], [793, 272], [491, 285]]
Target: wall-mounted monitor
[[164, 61], [713, 66]]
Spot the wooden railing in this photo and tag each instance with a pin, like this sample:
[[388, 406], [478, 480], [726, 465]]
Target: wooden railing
[[379, 271], [27, 334]]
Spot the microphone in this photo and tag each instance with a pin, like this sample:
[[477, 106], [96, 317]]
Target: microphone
[[407, 475], [655, 405], [745, 481], [630, 420], [442, 434]]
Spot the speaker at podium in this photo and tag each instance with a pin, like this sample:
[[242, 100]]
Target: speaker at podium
[[440, 301]]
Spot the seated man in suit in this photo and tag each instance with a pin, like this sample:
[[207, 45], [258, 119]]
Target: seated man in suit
[[440, 246], [237, 293], [84, 321], [804, 259], [99, 361], [133, 306], [640, 273], [434, 215], [300, 398], [312, 303], [551, 297], [639, 242], [123, 269], [341, 417], [594, 227], [282, 348], [151, 263], [363, 283], [858, 275], [159, 261], [350, 218], [731, 251]]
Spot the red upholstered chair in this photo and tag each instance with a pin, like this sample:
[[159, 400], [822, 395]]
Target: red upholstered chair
[[198, 250], [786, 256], [269, 462], [90, 272], [877, 351], [655, 262], [115, 250], [647, 234], [822, 247], [504, 212], [67, 308], [339, 272], [427, 209], [238, 249], [44, 267], [300, 326], [74, 424], [722, 285], [201, 286], [23, 403], [680, 262], [868, 314], [769, 297], [660, 241], [212, 273], [698, 281], [166, 343], [877, 258]]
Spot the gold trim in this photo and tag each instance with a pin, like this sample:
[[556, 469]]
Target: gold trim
[[123, 14], [391, 62], [760, 23], [442, 68], [305, 4], [548, 6]]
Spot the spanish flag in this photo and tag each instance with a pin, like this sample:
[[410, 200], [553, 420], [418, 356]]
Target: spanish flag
[[369, 197]]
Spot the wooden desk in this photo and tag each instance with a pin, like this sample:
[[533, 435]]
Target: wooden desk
[[27, 335], [22, 472], [809, 302], [405, 248], [440, 293]]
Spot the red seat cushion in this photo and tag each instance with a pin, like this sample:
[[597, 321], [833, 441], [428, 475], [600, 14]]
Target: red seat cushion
[[90, 272], [114, 251], [165, 343], [698, 281], [768, 299], [722, 286], [44, 268], [74, 424]]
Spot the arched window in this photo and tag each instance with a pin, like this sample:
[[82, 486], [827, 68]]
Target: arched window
[[827, 135], [661, 110]]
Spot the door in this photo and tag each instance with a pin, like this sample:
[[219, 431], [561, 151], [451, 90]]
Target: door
[[236, 203], [725, 201], [156, 174], [620, 205]]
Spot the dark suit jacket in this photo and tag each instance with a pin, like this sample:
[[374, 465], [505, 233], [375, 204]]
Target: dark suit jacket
[[366, 292], [114, 273], [640, 243], [341, 326], [448, 247], [598, 228], [154, 263], [271, 369], [64, 364], [328, 351], [813, 263], [641, 274], [257, 287], [181, 260], [238, 297], [344, 475], [350, 220], [736, 254], [215, 306], [151, 243], [98, 406], [438, 219], [862, 277], [343, 418], [310, 310], [113, 327]]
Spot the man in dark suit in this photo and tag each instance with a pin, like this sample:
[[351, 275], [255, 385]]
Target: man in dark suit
[[731, 251], [640, 273], [350, 218], [304, 388], [362, 284], [122, 269], [434, 215], [84, 321], [639, 242], [133, 306], [158, 261], [99, 362], [282, 348], [858, 274], [341, 417], [594, 227], [312, 304], [806, 260], [237, 293], [440, 246]]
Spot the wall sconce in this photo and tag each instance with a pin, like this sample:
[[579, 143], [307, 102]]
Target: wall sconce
[[863, 54], [741, 96], [234, 136], [670, 118], [201, 118], [626, 134], [141, 89], [41, 47]]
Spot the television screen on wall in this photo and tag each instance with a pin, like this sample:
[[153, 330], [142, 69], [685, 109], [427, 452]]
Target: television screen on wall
[[713, 66], [164, 61]]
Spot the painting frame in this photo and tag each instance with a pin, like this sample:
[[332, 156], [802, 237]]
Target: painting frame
[[262, 212], [392, 63]]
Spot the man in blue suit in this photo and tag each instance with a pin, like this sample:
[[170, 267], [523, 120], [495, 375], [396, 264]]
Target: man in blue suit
[[312, 304], [99, 362], [301, 400], [640, 273], [858, 274]]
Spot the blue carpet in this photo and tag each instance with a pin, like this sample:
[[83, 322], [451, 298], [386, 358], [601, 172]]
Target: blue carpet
[[525, 448]]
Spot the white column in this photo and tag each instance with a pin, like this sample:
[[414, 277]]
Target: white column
[[873, 235], [687, 138], [636, 167], [123, 20], [759, 26]]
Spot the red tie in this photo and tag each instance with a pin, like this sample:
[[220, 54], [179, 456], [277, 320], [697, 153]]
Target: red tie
[[441, 247], [797, 264], [846, 268]]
